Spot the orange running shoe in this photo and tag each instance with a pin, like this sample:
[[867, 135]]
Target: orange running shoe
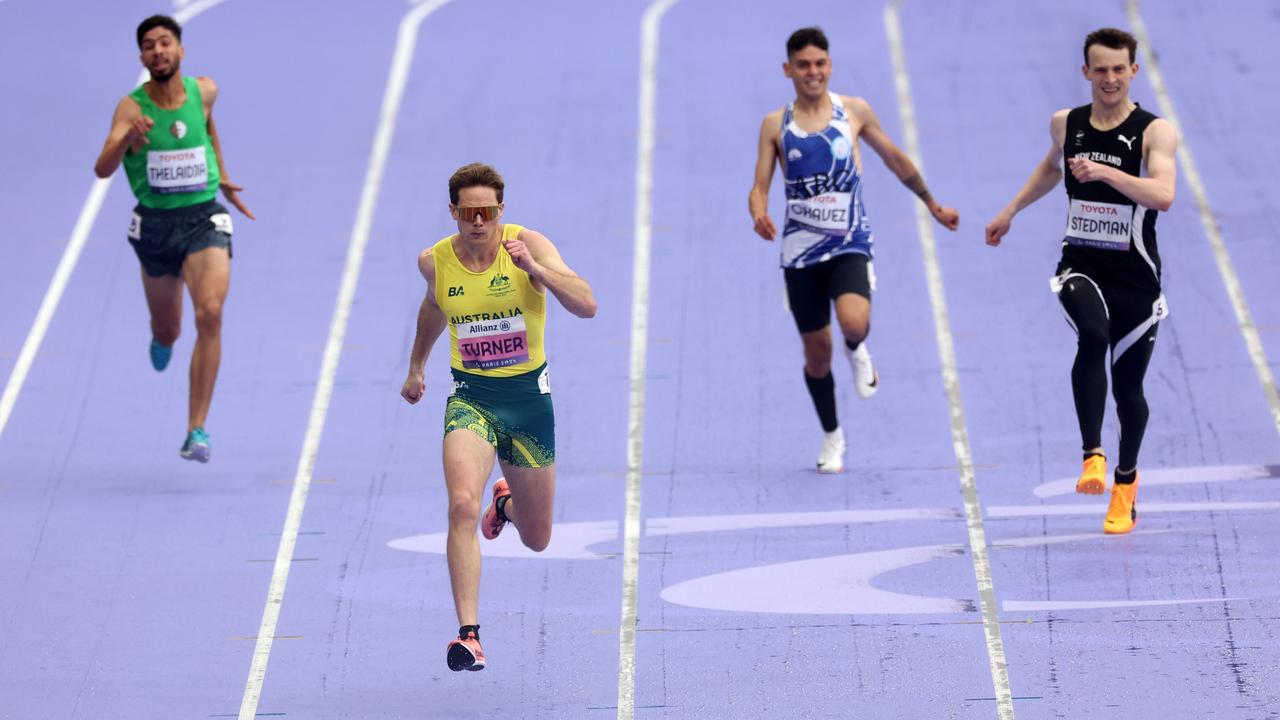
[[492, 522], [1093, 478], [1122, 514], [465, 652]]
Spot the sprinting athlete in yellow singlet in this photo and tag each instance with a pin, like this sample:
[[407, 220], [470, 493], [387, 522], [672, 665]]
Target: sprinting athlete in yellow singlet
[[488, 285]]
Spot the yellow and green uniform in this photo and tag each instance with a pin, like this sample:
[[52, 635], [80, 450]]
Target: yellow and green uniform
[[175, 177], [496, 319]]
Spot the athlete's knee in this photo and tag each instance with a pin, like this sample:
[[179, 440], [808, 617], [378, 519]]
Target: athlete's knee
[[464, 510], [166, 333], [817, 368], [536, 539], [856, 330], [209, 317], [1131, 402], [817, 354], [1092, 339]]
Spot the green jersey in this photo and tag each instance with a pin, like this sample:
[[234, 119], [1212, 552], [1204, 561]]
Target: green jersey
[[177, 167]]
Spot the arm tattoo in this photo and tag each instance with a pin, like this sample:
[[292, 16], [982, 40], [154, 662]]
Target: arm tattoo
[[916, 184]]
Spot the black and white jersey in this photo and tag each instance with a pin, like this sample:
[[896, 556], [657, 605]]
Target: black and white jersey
[[1109, 236]]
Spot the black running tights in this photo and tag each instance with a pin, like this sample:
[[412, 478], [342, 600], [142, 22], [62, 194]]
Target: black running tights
[[1097, 333]]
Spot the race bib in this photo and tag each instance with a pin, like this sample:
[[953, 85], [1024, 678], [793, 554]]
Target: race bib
[[135, 227], [829, 213], [489, 344], [1107, 226], [221, 223], [1160, 308], [177, 171]]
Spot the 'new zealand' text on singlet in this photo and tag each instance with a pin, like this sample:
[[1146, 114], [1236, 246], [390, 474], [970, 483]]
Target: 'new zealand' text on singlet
[[496, 316], [825, 215], [1109, 236]]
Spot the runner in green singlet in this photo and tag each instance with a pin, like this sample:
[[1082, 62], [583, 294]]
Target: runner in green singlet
[[163, 133]]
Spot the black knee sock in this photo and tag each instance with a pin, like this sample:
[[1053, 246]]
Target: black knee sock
[[823, 392], [1122, 479]]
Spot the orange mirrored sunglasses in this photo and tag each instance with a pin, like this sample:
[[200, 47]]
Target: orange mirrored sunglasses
[[469, 213]]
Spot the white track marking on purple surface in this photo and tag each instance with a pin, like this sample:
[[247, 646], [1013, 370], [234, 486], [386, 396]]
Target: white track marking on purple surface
[[1173, 476], [1051, 605], [643, 231], [406, 43], [951, 379], [835, 585], [573, 541], [845, 584], [1011, 511], [1252, 341], [71, 255]]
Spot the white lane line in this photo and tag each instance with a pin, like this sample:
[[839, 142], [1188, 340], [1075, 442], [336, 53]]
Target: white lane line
[[67, 264], [406, 42], [643, 231], [951, 379], [1252, 341], [1013, 511]]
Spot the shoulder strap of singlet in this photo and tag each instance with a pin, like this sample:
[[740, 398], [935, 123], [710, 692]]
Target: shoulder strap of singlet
[[1078, 115], [443, 256], [1141, 117], [511, 231], [837, 106]]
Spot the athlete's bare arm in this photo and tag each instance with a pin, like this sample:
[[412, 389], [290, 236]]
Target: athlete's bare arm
[[208, 94], [431, 322], [766, 160], [1155, 191], [533, 253], [1043, 178], [897, 161], [129, 128]]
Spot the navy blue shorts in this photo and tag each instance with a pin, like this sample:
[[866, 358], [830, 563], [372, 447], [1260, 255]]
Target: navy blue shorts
[[163, 239]]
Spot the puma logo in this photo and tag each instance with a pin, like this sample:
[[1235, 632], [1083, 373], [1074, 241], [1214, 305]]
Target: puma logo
[[1128, 142]]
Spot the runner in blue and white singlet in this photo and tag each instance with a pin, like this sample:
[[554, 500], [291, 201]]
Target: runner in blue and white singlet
[[826, 237], [825, 214]]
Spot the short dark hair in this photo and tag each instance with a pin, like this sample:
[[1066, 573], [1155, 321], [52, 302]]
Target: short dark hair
[[804, 37], [156, 21], [475, 175], [1111, 38]]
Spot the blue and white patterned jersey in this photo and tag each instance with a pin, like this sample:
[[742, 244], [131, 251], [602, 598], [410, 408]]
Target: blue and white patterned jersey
[[825, 215]]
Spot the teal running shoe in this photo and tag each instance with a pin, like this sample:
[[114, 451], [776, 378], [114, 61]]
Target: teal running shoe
[[160, 355], [196, 447]]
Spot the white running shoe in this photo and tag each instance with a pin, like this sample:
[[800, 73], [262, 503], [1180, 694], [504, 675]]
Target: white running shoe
[[831, 457], [865, 378]]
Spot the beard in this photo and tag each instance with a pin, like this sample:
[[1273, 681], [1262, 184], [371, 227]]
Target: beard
[[165, 76]]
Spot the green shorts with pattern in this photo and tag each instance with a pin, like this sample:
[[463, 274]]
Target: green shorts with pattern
[[513, 414]]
